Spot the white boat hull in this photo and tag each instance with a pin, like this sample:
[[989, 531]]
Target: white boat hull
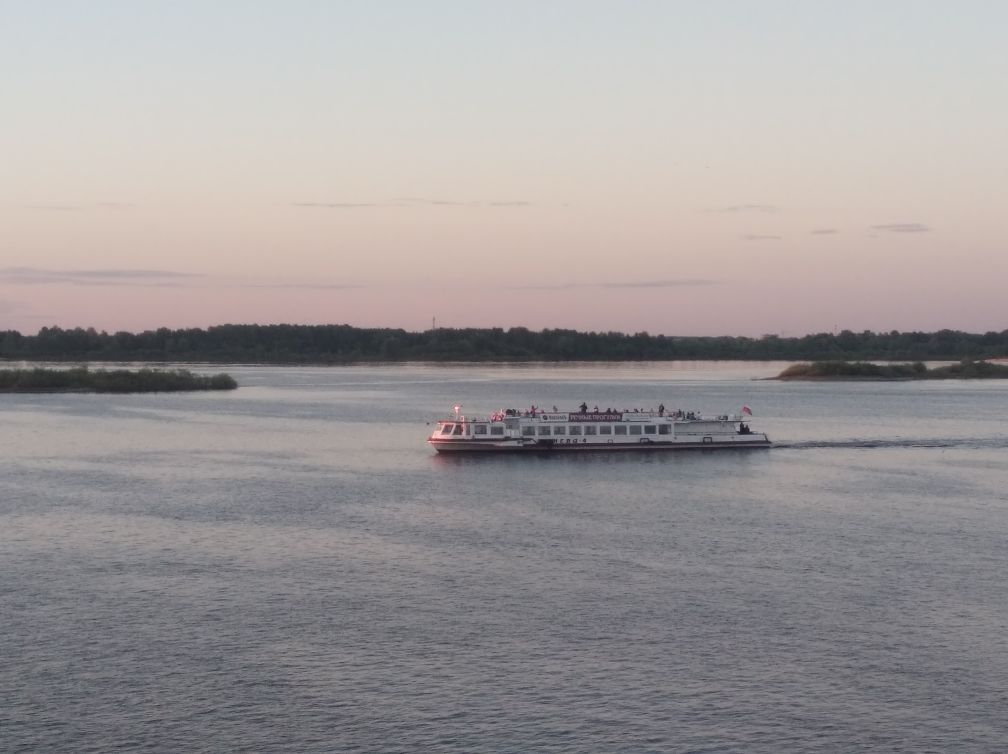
[[517, 446]]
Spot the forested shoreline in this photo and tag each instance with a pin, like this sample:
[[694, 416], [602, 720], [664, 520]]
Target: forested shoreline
[[84, 380], [343, 344]]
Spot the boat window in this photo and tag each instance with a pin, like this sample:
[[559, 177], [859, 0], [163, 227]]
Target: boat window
[[510, 424], [605, 429], [447, 429], [664, 429], [458, 429], [620, 429], [479, 429], [543, 429], [528, 431], [496, 429], [589, 430], [561, 430], [635, 429], [575, 430], [650, 429]]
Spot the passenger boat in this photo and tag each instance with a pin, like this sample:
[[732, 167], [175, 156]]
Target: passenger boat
[[511, 430]]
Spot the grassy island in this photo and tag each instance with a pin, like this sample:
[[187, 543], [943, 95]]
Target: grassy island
[[84, 380], [866, 370]]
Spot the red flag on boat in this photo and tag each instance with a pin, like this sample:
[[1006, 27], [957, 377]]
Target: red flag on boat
[[747, 410]]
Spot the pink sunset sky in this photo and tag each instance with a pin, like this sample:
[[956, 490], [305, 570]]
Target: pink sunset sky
[[681, 168]]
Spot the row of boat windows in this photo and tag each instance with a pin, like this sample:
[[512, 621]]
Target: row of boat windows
[[603, 429], [546, 430], [479, 429]]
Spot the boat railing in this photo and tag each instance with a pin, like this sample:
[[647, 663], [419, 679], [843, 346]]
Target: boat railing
[[627, 416]]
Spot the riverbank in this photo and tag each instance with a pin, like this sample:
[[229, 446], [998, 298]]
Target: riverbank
[[866, 370], [344, 344], [84, 380]]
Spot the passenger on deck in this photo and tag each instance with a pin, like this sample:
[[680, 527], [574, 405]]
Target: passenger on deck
[[661, 409], [584, 408]]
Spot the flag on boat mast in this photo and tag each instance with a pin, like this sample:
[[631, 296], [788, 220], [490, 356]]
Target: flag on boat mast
[[747, 410]]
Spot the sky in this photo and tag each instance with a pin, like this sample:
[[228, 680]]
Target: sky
[[683, 168]]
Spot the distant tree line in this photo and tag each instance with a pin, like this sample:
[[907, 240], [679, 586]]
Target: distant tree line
[[342, 344], [82, 379]]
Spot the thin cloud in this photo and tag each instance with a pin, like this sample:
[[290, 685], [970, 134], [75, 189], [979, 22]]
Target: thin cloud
[[300, 286], [412, 201], [29, 276], [746, 208], [106, 277], [758, 237], [78, 207], [824, 231], [337, 205], [442, 202], [276, 283], [549, 287], [903, 227], [681, 283]]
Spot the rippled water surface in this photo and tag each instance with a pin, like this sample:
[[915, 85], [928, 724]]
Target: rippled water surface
[[290, 567]]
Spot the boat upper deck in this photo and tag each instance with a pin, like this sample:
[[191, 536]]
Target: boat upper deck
[[607, 416]]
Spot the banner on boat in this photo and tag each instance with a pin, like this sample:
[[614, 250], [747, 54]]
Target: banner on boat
[[594, 417]]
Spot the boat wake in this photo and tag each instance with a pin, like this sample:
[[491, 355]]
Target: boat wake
[[902, 442]]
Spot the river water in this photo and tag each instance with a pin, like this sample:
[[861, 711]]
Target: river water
[[290, 567]]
